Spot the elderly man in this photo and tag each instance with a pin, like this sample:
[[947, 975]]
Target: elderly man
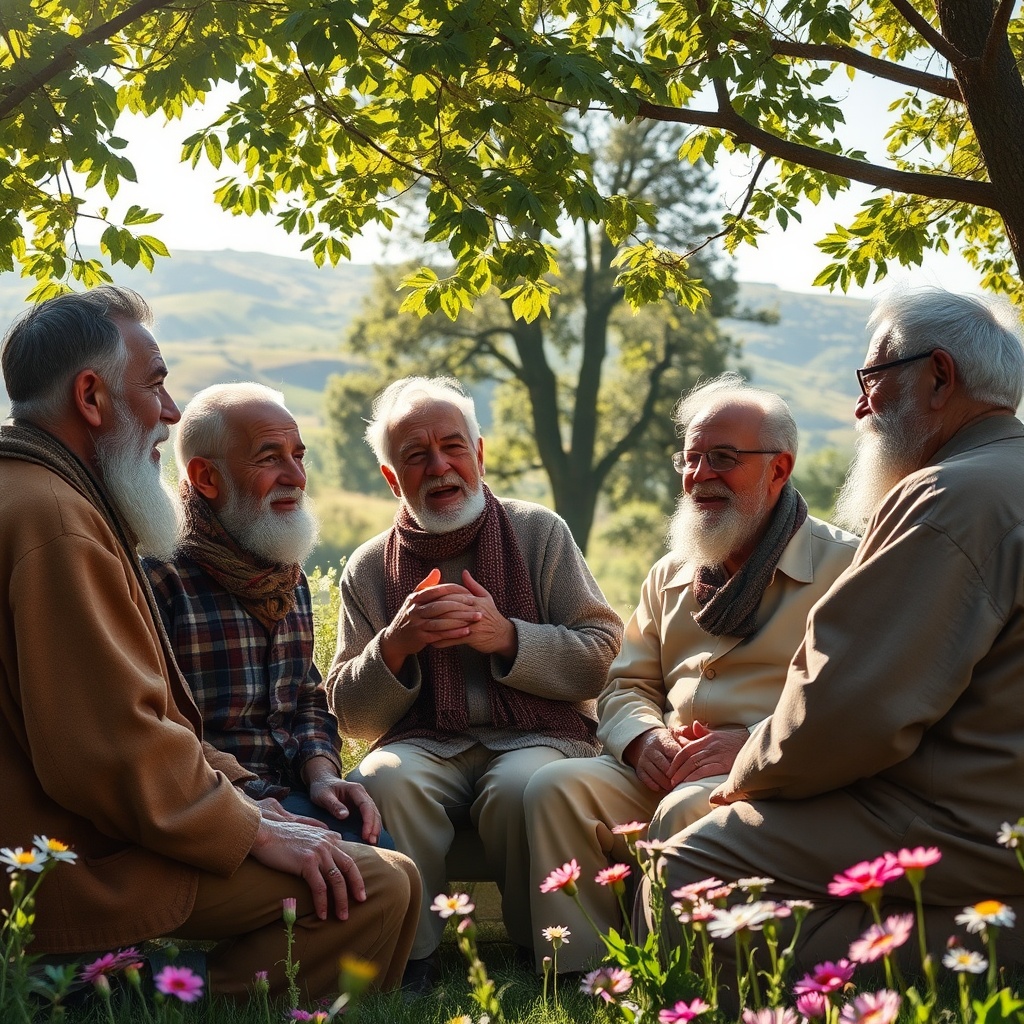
[[237, 609], [704, 655], [471, 644], [900, 724], [100, 742]]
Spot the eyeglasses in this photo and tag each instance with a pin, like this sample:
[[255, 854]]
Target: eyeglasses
[[866, 371], [719, 460]]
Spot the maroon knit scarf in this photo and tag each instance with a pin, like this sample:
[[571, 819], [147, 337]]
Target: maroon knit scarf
[[498, 565]]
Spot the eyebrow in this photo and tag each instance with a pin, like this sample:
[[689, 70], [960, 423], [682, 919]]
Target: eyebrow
[[412, 445]]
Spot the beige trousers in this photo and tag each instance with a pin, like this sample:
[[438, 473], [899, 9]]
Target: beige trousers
[[415, 790], [571, 807], [245, 910]]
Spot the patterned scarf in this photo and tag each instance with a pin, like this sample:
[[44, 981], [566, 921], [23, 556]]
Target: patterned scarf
[[498, 565], [267, 592], [729, 605], [30, 444]]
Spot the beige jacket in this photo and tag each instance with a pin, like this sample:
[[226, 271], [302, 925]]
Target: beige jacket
[[671, 673]]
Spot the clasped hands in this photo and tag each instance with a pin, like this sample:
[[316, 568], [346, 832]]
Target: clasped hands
[[445, 615], [663, 758]]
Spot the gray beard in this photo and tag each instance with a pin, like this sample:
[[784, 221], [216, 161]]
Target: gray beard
[[890, 446], [278, 538], [709, 538], [467, 511], [132, 479]]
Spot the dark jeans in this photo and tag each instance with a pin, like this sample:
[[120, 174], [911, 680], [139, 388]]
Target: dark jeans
[[350, 829]]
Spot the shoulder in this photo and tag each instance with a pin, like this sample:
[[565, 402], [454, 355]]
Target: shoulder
[[178, 575], [527, 517], [368, 557], [827, 536]]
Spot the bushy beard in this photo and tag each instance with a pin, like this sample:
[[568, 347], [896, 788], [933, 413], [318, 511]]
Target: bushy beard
[[890, 446], [710, 536], [454, 517], [278, 538], [131, 477]]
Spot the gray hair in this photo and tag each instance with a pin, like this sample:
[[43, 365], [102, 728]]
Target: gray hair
[[203, 423], [409, 393], [778, 431], [983, 340], [51, 343]]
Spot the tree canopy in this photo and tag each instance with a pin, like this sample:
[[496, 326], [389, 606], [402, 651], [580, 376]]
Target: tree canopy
[[339, 105]]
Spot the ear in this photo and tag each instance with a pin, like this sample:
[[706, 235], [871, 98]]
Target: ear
[[389, 475], [943, 378], [91, 398], [781, 470], [480, 455], [205, 478]]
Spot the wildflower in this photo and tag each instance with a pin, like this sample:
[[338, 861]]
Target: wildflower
[[826, 977], [867, 875], [986, 913], [919, 858], [699, 910], [607, 982], [741, 917], [615, 875], [22, 860], [1011, 836], [755, 885], [799, 905], [881, 939], [179, 982], [459, 904], [721, 894], [812, 1005], [682, 1012], [694, 889], [630, 828], [288, 905], [109, 963], [871, 1008], [557, 935], [356, 974], [768, 1015], [562, 878], [960, 960], [261, 981], [319, 1016], [54, 849]]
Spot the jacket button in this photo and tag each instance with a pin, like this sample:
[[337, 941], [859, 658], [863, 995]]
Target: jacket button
[[709, 673]]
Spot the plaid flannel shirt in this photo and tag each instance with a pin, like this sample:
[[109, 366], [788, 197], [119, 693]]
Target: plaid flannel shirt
[[260, 695]]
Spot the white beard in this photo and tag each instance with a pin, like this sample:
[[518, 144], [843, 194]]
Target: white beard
[[133, 480], [890, 446], [278, 538], [453, 518], [705, 537]]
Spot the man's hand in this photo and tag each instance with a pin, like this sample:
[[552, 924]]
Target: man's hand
[[315, 855], [272, 810], [337, 796], [439, 615], [652, 755], [491, 633], [707, 752]]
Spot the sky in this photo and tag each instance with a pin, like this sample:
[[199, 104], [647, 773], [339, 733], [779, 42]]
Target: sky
[[789, 259]]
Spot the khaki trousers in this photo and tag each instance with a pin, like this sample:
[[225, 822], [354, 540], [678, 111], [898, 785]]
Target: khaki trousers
[[571, 807], [415, 790], [245, 911]]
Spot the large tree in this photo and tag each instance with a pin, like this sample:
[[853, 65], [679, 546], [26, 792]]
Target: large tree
[[591, 384], [342, 103]]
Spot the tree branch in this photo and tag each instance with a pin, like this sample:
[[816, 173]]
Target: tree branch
[[996, 35], [928, 33]]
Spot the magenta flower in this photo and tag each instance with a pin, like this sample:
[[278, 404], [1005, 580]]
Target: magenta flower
[[813, 1005], [617, 873], [106, 964], [682, 1012], [179, 982], [562, 878], [919, 858], [288, 905], [694, 889], [871, 1008], [318, 1016], [826, 977], [881, 939], [865, 876], [607, 982]]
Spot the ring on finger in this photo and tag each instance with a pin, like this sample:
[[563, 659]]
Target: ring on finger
[[333, 871]]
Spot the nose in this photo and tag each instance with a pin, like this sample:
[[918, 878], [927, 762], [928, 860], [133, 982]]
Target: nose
[[293, 474], [168, 410], [703, 471], [861, 408], [437, 463]]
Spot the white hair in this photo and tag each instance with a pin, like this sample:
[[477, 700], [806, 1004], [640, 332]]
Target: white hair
[[203, 424], [409, 393]]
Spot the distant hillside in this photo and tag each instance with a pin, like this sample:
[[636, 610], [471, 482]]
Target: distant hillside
[[234, 315]]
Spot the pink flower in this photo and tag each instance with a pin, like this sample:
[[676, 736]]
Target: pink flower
[[562, 878], [872, 1008], [865, 876], [694, 889], [179, 982], [919, 858], [826, 977], [813, 1005], [607, 982], [682, 1012], [288, 905], [617, 873], [778, 1015], [318, 1016], [881, 939], [630, 828], [106, 964]]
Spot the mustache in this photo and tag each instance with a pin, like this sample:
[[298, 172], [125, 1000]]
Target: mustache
[[451, 479], [710, 490]]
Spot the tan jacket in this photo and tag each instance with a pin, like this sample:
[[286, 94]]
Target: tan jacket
[[99, 742], [671, 673]]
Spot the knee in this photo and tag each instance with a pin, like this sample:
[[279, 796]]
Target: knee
[[546, 791]]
